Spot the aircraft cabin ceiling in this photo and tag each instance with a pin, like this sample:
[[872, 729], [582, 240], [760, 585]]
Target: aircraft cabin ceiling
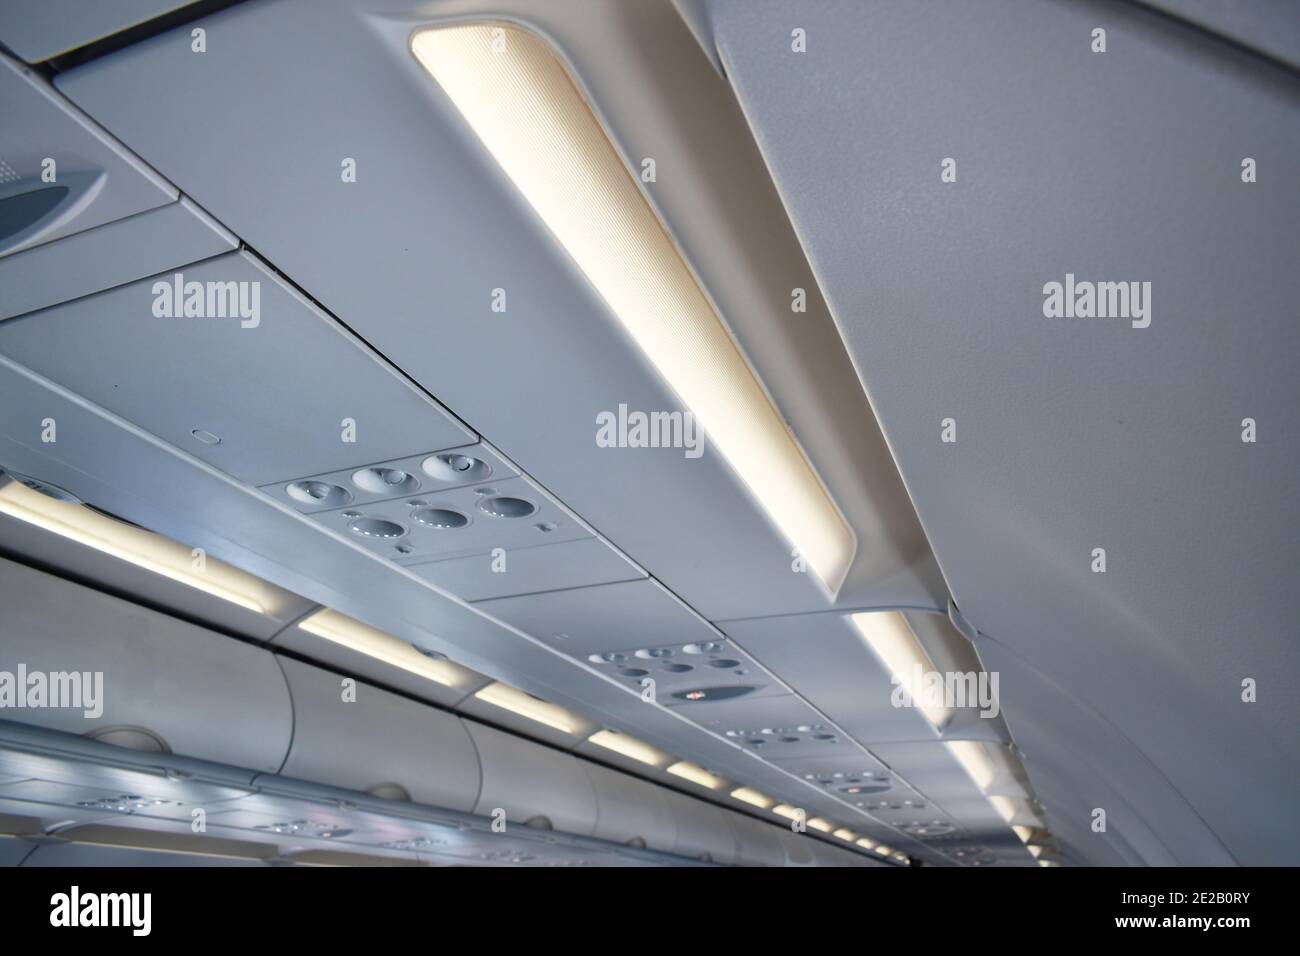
[[726, 432]]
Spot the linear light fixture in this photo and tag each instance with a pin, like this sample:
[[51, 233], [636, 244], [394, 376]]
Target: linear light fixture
[[890, 637], [822, 826], [629, 747], [975, 760], [526, 705], [845, 834], [696, 775], [1025, 833], [752, 797], [1035, 851], [883, 850], [865, 843], [519, 99], [367, 640], [787, 811], [144, 549]]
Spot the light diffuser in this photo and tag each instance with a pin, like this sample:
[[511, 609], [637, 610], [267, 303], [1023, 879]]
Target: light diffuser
[[752, 797], [526, 705], [697, 775], [629, 747], [890, 637], [137, 546], [367, 640], [521, 103]]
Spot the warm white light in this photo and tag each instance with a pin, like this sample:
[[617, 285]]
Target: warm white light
[[517, 97], [365, 639], [752, 797], [845, 834], [1025, 833], [526, 705], [1012, 810], [128, 543], [883, 850], [1048, 863], [975, 760], [865, 843], [888, 634], [787, 811], [1035, 851], [697, 775], [824, 826], [629, 747]]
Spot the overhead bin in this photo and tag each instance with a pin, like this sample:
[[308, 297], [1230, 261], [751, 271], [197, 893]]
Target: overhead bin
[[363, 738], [703, 832], [134, 677], [535, 785], [632, 811], [757, 843], [59, 172]]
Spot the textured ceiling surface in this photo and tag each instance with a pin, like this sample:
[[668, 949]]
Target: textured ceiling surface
[[1073, 434]]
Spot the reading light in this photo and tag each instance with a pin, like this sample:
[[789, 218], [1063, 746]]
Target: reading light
[[519, 100], [820, 825], [526, 705], [975, 760], [891, 639], [144, 549], [752, 797], [365, 639], [697, 775], [628, 747]]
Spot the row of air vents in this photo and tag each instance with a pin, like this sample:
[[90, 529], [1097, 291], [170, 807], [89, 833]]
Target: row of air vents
[[767, 736], [305, 828], [125, 803], [435, 505], [689, 673]]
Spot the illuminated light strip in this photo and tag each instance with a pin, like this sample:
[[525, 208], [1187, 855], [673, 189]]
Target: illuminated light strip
[[144, 549], [975, 760], [865, 843], [528, 706], [696, 775], [629, 747], [528, 113], [891, 639], [752, 797], [371, 642], [845, 834], [822, 826], [787, 811]]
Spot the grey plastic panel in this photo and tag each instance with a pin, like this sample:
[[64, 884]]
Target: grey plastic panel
[[95, 179], [631, 811], [109, 255], [608, 617], [204, 694], [530, 781], [772, 727], [481, 532], [1271, 27], [276, 393], [824, 658], [13, 850], [549, 567], [377, 739], [41, 29], [90, 855]]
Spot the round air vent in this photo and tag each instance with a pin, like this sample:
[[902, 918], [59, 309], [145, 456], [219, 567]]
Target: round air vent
[[386, 481], [319, 494], [375, 527], [503, 506], [442, 518], [453, 467]]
